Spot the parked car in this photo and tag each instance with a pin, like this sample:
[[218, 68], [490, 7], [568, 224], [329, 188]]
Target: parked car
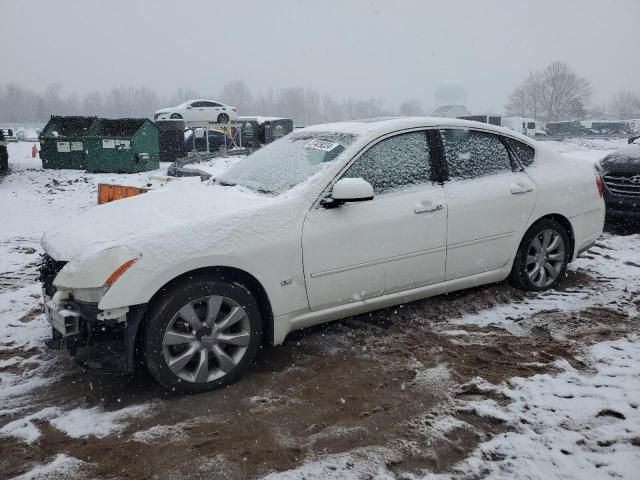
[[9, 135], [198, 111], [4, 155], [620, 172], [196, 140], [327, 222]]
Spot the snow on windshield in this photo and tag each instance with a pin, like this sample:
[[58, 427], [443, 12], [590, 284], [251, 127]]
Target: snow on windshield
[[283, 164]]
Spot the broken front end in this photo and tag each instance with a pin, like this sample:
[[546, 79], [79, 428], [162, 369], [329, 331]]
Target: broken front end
[[97, 338]]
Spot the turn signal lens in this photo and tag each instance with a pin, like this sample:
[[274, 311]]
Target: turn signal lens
[[117, 273]]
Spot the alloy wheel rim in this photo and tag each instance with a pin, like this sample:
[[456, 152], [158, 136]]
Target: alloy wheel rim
[[545, 258], [206, 339]]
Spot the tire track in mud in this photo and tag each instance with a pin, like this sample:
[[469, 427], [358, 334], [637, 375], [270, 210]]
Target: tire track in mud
[[382, 379]]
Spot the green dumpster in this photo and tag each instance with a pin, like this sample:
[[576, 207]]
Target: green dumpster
[[123, 145], [62, 142]]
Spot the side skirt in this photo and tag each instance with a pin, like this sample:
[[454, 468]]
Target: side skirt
[[284, 324]]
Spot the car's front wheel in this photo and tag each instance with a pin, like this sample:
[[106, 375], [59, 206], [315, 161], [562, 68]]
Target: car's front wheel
[[543, 256], [202, 335], [176, 116]]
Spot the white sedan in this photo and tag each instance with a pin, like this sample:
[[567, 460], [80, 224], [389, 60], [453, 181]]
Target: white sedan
[[330, 221], [194, 111]]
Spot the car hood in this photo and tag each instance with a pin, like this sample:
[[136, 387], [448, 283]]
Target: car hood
[[154, 214], [164, 110], [624, 160]]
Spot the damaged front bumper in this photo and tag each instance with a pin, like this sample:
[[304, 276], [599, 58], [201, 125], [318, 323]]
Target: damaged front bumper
[[98, 339]]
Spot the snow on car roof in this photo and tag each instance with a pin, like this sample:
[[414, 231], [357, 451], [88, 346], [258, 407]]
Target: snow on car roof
[[372, 127], [200, 100], [260, 118]]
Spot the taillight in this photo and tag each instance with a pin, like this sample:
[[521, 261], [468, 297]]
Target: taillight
[[234, 109], [600, 185]]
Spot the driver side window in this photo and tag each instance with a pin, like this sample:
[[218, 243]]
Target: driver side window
[[394, 163]]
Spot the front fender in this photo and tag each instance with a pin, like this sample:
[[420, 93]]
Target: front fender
[[141, 282]]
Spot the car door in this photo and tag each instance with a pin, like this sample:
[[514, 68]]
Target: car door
[[197, 112], [394, 242], [211, 110], [489, 198]]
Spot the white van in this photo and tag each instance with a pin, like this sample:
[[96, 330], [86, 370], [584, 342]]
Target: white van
[[523, 125]]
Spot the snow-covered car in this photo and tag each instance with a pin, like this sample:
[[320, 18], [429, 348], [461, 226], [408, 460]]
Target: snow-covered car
[[329, 221], [28, 134], [194, 111], [620, 172]]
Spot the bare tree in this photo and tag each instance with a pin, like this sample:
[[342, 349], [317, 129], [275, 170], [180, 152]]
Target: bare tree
[[305, 105], [561, 91], [525, 100], [238, 94], [624, 104], [556, 93], [518, 102], [410, 107]]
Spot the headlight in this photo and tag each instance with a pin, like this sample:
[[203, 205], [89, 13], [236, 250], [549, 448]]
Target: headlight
[[98, 275], [88, 295], [94, 295]]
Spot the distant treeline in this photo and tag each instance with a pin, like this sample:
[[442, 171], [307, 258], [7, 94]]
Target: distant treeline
[[306, 106]]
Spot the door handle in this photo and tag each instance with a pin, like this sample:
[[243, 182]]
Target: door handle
[[517, 189], [422, 208]]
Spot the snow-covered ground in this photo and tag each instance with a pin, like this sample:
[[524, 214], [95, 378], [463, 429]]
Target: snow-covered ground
[[573, 413]]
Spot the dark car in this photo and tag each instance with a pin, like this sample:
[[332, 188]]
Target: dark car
[[4, 156], [196, 140], [9, 135], [620, 172]]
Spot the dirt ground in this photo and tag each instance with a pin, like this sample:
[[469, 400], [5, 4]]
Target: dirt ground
[[376, 380]]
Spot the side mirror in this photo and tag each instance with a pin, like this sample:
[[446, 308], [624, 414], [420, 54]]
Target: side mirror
[[349, 190], [188, 107]]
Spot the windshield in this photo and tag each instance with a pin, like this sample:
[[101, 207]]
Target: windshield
[[287, 162]]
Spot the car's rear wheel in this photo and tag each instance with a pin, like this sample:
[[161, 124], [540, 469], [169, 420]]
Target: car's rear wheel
[[542, 257], [176, 116], [202, 335], [223, 118]]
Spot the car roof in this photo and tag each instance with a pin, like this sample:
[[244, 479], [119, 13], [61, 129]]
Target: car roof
[[200, 100], [375, 127]]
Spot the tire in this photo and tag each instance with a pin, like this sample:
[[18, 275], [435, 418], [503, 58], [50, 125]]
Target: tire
[[542, 257], [182, 340], [223, 118], [176, 116]]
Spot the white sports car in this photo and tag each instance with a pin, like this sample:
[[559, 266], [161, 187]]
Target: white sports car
[[198, 111], [330, 221]]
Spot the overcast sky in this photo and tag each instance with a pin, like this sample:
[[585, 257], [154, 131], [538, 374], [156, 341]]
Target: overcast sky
[[386, 49]]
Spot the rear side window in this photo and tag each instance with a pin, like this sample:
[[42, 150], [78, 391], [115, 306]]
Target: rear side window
[[394, 163], [474, 154], [525, 153]]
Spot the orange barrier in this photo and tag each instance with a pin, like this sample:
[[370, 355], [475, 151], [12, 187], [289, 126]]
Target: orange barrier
[[108, 193]]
